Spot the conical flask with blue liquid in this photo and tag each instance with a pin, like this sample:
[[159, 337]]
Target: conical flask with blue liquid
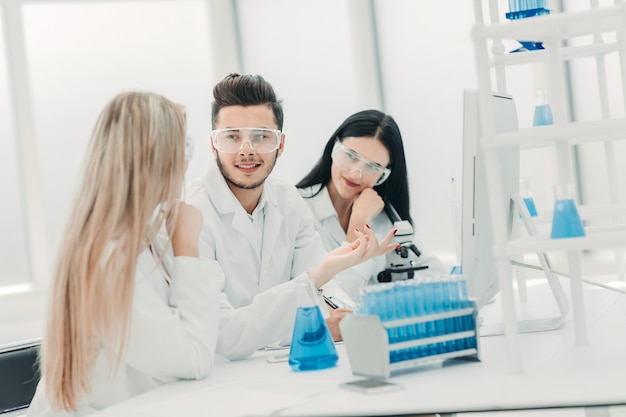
[[566, 221], [312, 345], [543, 112]]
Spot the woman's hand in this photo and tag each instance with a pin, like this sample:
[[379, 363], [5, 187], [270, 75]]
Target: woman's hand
[[186, 233], [366, 246], [365, 207]]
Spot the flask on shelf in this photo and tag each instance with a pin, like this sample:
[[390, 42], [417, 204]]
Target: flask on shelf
[[543, 112], [522, 9], [566, 221], [524, 191], [312, 345]]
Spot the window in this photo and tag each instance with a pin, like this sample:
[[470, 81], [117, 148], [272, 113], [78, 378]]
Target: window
[[13, 246], [310, 63], [77, 61]]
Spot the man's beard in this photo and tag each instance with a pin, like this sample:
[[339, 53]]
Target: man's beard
[[240, 185]]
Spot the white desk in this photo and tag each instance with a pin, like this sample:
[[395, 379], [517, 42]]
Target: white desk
[[556, 373]]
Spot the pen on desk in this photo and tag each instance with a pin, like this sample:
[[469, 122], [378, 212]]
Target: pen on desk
[[456, 224], [330, 302]]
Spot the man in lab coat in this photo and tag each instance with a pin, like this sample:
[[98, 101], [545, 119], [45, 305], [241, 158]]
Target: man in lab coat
[[260, 230]]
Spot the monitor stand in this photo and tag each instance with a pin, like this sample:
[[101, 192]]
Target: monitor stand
[[534, 325]]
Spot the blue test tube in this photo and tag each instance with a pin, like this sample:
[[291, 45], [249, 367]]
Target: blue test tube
[[368, 301], [468, 321], [420, 310], [428, 303], [410, 312], [388, 312], [449, 300], [400, 288], [437, 307], [455, 304]]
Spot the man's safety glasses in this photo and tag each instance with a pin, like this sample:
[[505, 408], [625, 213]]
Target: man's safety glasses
[[231, 140], [371, 172]]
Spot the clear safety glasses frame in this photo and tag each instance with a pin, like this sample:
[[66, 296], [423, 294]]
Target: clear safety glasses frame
[[352, 159], [232, 139]]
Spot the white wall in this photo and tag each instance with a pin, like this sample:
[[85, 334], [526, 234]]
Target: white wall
[[426, 62], [78, 59]]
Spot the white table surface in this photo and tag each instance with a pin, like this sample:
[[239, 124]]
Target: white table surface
[[556, 373]]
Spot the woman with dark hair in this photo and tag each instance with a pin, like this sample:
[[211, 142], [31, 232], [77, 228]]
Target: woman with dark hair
[[361, 181]]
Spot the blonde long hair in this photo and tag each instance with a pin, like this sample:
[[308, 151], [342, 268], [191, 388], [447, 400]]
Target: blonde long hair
[[135, 162]]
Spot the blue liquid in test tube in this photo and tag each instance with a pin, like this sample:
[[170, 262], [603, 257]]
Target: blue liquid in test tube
[[530, 204], [428, 303], [449, 305], [420, 310], [410, 308], [455, 304], [400, 313], [524, 190], [467, 321], [437, 307], [389, 315]]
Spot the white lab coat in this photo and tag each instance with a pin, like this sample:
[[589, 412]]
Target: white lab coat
[[260, 296], [328, 225], [173, 333]]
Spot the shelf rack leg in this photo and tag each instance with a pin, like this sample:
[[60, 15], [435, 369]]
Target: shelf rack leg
[[520, 274], [522, 288], [578, 302], [619, 259]]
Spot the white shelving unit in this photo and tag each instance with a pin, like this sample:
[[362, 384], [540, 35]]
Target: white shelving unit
[[561, 34]]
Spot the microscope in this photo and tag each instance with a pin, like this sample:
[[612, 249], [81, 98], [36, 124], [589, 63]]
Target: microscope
[[401, 263]]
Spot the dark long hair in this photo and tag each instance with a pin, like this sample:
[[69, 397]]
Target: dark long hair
[[370, 123]]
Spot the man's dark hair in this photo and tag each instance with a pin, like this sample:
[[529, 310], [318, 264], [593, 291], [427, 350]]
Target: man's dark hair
[[245, 90]]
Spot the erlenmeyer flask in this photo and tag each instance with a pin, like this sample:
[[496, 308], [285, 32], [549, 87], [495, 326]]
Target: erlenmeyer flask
[[566, 221], [312, 345], [543, 112]]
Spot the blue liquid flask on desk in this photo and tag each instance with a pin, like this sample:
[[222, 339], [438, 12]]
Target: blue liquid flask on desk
[[566, 221], [312, 345]]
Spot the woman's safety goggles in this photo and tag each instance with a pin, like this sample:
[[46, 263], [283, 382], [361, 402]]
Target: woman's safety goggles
[[189, 145], [371, 172], [260, 140]]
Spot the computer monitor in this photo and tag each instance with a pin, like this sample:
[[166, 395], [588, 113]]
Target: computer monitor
[[477, 260]]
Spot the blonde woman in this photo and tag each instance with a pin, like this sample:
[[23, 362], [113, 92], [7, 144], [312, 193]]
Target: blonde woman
[[121, 323]]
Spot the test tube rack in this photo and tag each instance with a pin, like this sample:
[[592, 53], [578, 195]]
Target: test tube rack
[[372, 355]]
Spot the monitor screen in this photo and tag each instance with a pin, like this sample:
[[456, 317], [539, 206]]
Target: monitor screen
[[477, 260]]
